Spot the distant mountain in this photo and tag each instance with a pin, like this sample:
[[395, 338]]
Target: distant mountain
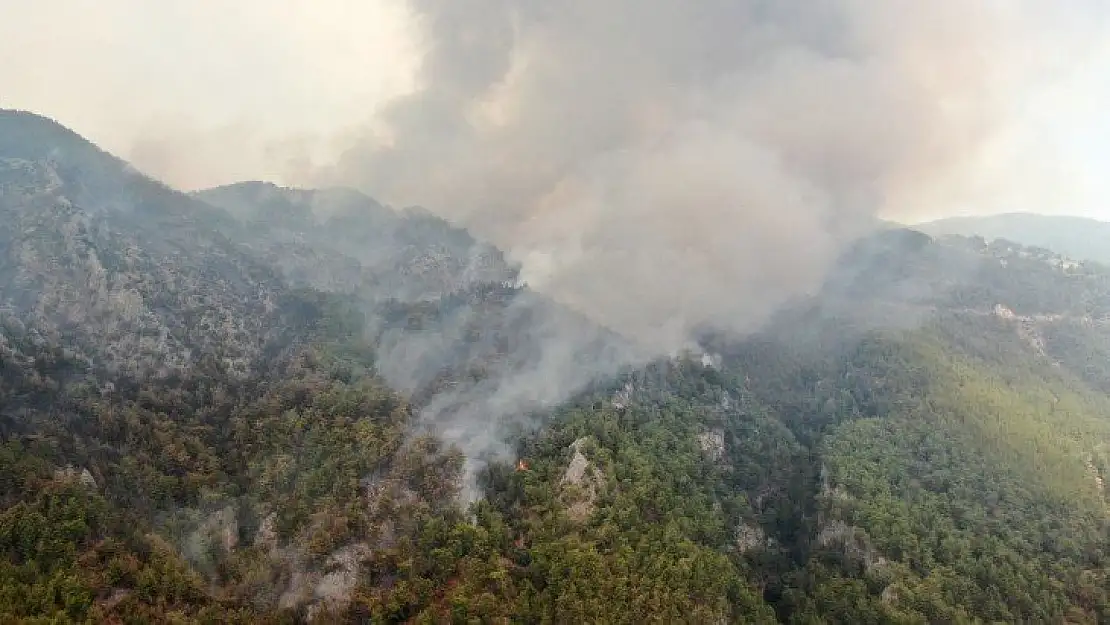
[[1078, 238]]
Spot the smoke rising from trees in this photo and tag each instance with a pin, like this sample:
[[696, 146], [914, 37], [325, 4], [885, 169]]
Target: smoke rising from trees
[[662, 165]]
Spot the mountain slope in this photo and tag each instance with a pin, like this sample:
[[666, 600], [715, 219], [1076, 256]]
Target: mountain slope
[[218, 434], [959, 445], [341, 240], [185, 435], [452, 325], [135, 275], [257, 404]]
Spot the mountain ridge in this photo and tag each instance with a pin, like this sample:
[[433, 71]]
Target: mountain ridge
[[1079, 238]]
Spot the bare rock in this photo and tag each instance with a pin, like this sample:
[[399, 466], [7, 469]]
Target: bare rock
[[890, 595], [220, 528], [749, 537], [579, 465], [333, 590], [623, 398], [853, 542], [712, 442], [70, 474], [580, 483], [266, 537]]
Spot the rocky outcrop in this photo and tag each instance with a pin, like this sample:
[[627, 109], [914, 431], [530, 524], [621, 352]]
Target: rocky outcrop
[[712, 443], [622, 399], [219, 529], [1096, 475], [712, 361], [580, 483], [831, 491], [332, 592], [322, 590], [853, 543], [749, 537], [1028, 327], [70, 474], [266, 537]]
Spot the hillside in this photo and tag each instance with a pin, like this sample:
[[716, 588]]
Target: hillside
[[166, 393], [255, 404], [203, 383], [451, 324], [341, 240], [1078, 238], [138, 277]]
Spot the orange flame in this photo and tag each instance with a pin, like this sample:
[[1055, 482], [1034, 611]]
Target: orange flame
[[521, 465]]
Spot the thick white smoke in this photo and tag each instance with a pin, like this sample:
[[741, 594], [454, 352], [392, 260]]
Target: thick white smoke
[[663, 164]]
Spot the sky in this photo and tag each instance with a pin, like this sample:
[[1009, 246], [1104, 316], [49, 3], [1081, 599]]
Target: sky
[[1054, 157], [172, 84], [153, 80]]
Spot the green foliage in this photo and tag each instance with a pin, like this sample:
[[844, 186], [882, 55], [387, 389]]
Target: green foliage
[[188, 438], [971, 495]]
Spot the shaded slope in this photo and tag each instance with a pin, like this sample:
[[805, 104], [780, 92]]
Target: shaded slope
[[339, 239], [185, 437], [141, 278]]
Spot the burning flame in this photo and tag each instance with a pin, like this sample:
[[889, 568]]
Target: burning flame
[[521, 465]]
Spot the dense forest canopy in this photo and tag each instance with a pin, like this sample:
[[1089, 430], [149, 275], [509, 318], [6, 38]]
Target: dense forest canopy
[[255, 404]]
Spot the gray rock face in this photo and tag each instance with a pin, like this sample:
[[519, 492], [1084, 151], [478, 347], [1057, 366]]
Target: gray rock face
[[579, 464], [333, 590], [712, 443], [853, 541], [749, 537], [215, 531], [266, 537], [581, 484], [72, 474]]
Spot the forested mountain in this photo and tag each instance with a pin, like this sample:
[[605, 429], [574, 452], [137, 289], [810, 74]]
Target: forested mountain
[[255, 404], [340, 240], [1079, 238], [451, 324]]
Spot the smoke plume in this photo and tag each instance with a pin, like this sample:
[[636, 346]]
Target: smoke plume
[[667, 164], [658, 163]]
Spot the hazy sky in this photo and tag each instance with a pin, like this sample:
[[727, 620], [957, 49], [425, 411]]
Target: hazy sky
[[166, 83], [1055, 154]]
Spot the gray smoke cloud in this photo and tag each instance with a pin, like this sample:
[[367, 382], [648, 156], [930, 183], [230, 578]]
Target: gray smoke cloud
[[530, 356], [663, 164]]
